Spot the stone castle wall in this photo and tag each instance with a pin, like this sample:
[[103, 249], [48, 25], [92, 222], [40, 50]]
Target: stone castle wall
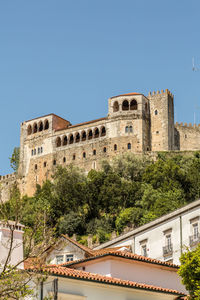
[[135, 123]]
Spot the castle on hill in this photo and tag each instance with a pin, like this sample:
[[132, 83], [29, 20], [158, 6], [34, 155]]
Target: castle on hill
[[135, 123]]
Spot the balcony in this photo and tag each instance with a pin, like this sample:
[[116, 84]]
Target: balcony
[[168, 250], [194, 240]]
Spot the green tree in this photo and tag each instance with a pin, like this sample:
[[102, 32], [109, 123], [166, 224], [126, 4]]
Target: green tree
[[14, 159], [190, 272]]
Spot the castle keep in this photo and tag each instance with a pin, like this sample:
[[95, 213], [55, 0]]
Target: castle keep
[[135, 123]]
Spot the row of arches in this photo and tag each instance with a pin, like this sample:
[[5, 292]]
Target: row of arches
[[126, 105], [37, 127], [83, 136]]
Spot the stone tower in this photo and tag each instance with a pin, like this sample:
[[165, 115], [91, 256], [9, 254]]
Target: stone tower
[[162, 120]]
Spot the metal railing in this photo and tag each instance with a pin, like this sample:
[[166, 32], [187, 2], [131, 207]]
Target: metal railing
[[167, 250], [194, 240]]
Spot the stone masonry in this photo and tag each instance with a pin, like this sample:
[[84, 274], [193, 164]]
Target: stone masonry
[[135, 123]]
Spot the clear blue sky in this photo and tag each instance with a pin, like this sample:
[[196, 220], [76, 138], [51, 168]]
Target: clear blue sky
[[69, 56]]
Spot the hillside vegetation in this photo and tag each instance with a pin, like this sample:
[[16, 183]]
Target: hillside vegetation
[[129, 192]]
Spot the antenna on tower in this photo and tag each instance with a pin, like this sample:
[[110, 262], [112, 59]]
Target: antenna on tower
[[194, 69]]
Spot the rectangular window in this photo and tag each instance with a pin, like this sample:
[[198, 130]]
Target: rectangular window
[[144, 250], [195, 231], [69, 257], [59, 259]]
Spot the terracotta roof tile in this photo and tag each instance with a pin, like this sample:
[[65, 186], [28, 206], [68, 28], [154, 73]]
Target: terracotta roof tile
[[124, 254], [84, 248], [85, 123], [72, 273]]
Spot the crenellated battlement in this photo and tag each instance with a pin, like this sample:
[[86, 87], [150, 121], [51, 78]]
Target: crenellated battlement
[[162, 92], [8, 176], [188, 125]]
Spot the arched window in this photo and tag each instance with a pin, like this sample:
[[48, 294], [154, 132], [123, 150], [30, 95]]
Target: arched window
[[34, 151], [94, 152], [64, 140], [90, 135], [84, 155], [115, 106], [83, 136], [126, 129], [29, 130], [41, 149], [125, 105], [46, 124], [156, 112], [38, 150], [129, 146], [45, 164], [130, 128], [74, 156], [133, 105], [103, 131], [96, 133], [115, 147], [58, 141], [77, 139], [40, 126], [104, 149], [34, 127], [71, 139]]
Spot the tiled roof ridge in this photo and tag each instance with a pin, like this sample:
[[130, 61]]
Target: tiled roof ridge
[[79, 274], [84, 123], [85, 248], [125, 254]]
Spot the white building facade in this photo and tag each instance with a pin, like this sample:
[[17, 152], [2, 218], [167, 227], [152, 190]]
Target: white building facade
[[164, 238]]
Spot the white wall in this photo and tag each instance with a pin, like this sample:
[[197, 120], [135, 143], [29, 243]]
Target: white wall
[[136, 271], [98, 291]]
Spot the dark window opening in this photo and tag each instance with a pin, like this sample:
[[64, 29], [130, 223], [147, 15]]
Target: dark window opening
[[94, 152], [116, 106], [34, 151], [96, 133], [90, 135], [129, 146], [36, 167], [38, 150], [156, 112], [126, 129], [64, 140], [45, 164], [133, 105], [35, 128], [64, 159], [29, 130], [115, 147], [83, 136], [104, 149], [84, 155], [71, 139], [40, 126], [46, 125], [74, 156], [125, 105], [103, 131], [58, 141], [130, 128], [54, 162], [77, 138]]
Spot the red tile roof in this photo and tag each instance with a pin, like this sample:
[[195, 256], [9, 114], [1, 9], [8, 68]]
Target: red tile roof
[[77, 274], [128, 94], [82, 247], [123, 254]]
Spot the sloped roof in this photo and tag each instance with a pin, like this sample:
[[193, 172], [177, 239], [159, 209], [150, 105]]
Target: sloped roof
[[82, 275], [123, 254]]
